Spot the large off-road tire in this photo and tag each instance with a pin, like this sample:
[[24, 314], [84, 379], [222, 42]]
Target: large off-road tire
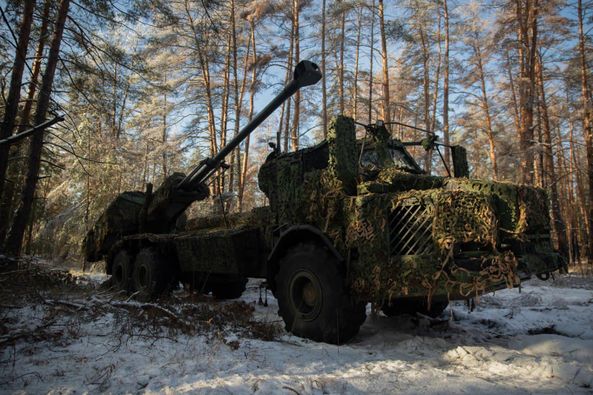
[[312, 297], [121, 271], [231, 289], [415, 305], [151, 276]]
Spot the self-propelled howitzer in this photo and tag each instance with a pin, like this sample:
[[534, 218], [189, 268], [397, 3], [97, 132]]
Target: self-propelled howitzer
[[349, 221], [157, 213]]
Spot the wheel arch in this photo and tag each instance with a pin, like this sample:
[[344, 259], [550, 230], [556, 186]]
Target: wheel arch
[[292, 236]]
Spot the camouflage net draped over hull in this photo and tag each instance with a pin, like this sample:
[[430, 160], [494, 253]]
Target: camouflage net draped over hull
[[419, 240], [403, 234], [395, 180], [258, 217], [230, 244], [119, 219], [521, 209], [310, 186]]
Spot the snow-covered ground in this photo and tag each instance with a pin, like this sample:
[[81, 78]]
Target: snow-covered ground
[[537, 340]]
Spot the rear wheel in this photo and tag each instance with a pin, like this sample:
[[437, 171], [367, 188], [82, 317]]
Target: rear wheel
[[121, 271], [151, 277], [415, 305], [312, 297]]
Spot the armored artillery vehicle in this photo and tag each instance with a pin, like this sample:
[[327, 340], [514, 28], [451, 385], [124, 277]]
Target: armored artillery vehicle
[[348, 222]]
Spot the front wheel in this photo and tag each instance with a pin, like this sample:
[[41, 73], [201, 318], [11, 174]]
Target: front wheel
[[151, 277], [121, 271], [312, 297]]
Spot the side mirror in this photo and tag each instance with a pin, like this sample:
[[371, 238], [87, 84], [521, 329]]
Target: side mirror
[[460, 166]]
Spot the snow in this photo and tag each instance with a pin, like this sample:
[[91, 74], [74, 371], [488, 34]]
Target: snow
[[535, 340]]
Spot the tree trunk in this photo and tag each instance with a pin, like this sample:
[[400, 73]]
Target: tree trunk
[[297, 96], [164, 135], [323, 62], [205, 69], [224, 111], [236, 154], [356, 66], [581, 196], [514, 101], [289, 69], [527, 43], [486, 107], [7, 195], [558, 226], [426, 90], [15, 237], [26, 114], [372, 56], [587, 124], [385, 108], [250, 115], [446, 86], [341, 63], [437, 77], [567, 201], [14, 92]]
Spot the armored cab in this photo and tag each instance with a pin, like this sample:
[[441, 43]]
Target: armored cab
[[404, 240]]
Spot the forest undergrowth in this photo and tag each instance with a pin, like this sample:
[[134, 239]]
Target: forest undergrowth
[[69, 301]]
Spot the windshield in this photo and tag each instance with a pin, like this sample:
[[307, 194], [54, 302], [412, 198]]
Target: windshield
[[369, 160]]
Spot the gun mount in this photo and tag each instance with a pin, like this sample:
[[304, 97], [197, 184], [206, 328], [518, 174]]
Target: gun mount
[[158, 212]]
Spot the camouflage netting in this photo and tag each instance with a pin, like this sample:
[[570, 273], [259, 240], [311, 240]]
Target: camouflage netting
[[417, 231], [119, 219], [395, 180], [380, 138], [519, 208], [223, 251], [260, 216], [308, 186], [402, 233], [225, 244], [169, 201], [124, 216], [457, 217], [343, 154]]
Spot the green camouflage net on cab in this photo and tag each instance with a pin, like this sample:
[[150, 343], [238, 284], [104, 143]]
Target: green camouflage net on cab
[[520, 209], [440, 216], [310, 186], [343, 154], [434, 221], [395, 180]]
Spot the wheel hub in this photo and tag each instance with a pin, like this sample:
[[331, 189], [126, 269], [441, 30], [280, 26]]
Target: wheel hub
[[309, 294], [305, 295]]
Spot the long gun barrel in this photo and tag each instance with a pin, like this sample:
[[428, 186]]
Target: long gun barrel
[[306, 73], [138, 212]]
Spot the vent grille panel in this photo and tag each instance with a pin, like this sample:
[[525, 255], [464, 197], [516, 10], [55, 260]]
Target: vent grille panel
[[410, 230]]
